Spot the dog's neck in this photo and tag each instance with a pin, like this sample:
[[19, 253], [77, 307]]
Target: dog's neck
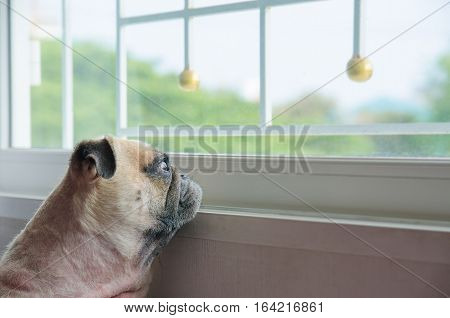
[[60, 252]]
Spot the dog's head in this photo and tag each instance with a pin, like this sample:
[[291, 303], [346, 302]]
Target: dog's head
[[134, 192]]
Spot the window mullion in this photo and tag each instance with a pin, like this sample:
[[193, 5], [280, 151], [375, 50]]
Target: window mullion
[[5, 77], [186, 35], [20, 79], [121, 74], [67, 79], [358, 28], [265, 108]]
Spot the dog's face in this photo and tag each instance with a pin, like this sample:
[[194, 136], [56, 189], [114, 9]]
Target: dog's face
[[134, 190]]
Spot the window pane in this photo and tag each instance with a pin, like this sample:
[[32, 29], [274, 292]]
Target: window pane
[[141, 7], [413, 71], [223, 54], [155, 57], [36, 74], [310, 45], [93, 30]]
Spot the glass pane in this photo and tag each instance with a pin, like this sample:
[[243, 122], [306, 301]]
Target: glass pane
[[36, 74], [310, 46], [413, 72], [155, 58], [223, 53], [93, 31], [141, 7]]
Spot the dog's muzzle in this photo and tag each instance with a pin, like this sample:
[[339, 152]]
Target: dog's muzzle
[[190, 198]]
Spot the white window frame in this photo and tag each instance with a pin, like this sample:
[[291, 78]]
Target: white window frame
[[5, 103], [410, 190]]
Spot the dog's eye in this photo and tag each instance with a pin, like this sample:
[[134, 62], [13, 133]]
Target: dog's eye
[[164, 166]]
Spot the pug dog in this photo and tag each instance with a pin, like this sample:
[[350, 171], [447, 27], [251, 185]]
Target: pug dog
[[98, 232]]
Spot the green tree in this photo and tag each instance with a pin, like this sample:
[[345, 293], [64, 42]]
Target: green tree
[[313, 109], [437, 91], [150, 91]]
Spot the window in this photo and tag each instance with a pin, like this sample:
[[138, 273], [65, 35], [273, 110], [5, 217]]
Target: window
[[274, 63]]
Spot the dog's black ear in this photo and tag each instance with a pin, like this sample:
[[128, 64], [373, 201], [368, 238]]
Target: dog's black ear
[[94, 158]]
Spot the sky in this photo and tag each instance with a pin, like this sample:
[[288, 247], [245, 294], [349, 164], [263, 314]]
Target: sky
[[309, 43]]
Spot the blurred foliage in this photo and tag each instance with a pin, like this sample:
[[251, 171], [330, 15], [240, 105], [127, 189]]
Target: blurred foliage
[[310, 109], [153, 97], [437, 91], [46, 100]]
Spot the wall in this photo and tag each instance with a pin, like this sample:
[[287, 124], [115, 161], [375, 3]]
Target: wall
[[9, 228], [238, 256], [242, 256]]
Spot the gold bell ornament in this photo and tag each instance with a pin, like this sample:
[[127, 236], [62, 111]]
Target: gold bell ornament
[[359, 69], [189, 80]]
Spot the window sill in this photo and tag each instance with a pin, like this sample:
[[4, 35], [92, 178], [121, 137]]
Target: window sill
[[402, 190], [302, 230], [23, 207]]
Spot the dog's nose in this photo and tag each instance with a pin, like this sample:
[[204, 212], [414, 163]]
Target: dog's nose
[[184, 176]]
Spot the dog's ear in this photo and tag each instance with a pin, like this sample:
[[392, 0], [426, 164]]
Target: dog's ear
[[93, 159]]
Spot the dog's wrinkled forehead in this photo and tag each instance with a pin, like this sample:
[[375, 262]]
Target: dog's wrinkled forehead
[[134, 154]]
